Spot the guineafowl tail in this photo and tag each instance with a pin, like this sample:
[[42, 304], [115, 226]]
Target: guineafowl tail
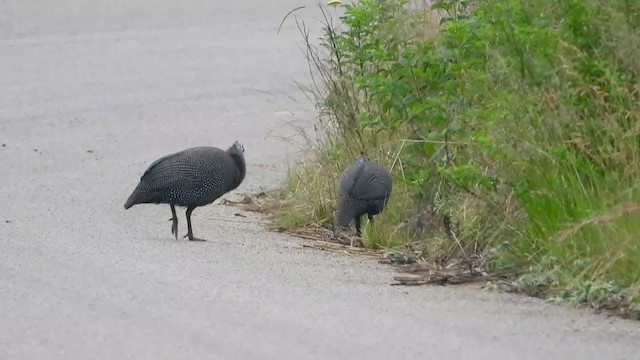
[[130, 201], [136, 197]]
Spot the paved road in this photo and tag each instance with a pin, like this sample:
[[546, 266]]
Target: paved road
[[90, 93]]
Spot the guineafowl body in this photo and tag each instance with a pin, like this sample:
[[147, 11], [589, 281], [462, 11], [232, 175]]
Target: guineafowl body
[[364, 188], [190, 178]]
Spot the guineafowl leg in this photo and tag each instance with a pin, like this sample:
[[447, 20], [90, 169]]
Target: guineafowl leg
[[174, 221], [358, 231], [189, 229]]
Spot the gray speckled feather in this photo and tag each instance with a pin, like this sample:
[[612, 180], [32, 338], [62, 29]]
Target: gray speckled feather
[[366, 181], [193, 177], [363, 188]]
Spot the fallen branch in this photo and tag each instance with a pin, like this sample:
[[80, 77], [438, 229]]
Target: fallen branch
[[249, 202], [331, 246], [453, 273]]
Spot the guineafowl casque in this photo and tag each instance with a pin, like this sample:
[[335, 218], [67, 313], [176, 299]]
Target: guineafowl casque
[[190, 178], [363, 188]]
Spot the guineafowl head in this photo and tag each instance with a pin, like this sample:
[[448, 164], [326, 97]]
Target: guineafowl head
[[236, 152], [236, 149]]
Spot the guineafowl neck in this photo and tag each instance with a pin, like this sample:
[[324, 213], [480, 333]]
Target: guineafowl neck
[[345, 215], [241, 169]]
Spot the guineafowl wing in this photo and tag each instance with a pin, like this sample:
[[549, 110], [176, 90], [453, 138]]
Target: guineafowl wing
[[173, 171], [349, 177], [369, 183], [154, 164]]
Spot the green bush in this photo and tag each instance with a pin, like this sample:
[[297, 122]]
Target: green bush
[[518, 120]]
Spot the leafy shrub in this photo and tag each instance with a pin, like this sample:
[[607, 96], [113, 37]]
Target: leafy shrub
[[517, 119]]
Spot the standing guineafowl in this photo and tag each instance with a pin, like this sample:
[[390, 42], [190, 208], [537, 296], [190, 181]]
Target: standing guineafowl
[[190, 178], [364, 188]]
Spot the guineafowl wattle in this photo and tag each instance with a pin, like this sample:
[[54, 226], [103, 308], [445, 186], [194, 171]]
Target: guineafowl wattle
[[363, 188], [190, 178]]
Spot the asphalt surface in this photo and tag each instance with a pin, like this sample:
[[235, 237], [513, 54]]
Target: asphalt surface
[[90, 94]]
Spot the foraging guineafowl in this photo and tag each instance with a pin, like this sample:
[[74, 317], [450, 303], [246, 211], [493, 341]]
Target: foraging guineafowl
[[364, 188], [190, 178]]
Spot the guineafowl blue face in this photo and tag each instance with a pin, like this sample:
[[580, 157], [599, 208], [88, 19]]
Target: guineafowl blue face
[[362, 159], [238, 147]]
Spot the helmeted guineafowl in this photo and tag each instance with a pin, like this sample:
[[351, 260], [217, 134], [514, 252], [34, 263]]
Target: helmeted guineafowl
[[363, 188], [190, 178]]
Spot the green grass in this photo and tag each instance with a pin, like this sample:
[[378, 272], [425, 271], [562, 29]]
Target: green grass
[[516, 121]]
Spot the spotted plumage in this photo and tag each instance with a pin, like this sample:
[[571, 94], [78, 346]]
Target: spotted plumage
[[190, 178], [363, 188]]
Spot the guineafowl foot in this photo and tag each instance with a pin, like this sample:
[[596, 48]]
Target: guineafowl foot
[[174, 222], [174, 228], [192, 238], [189, 229]]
